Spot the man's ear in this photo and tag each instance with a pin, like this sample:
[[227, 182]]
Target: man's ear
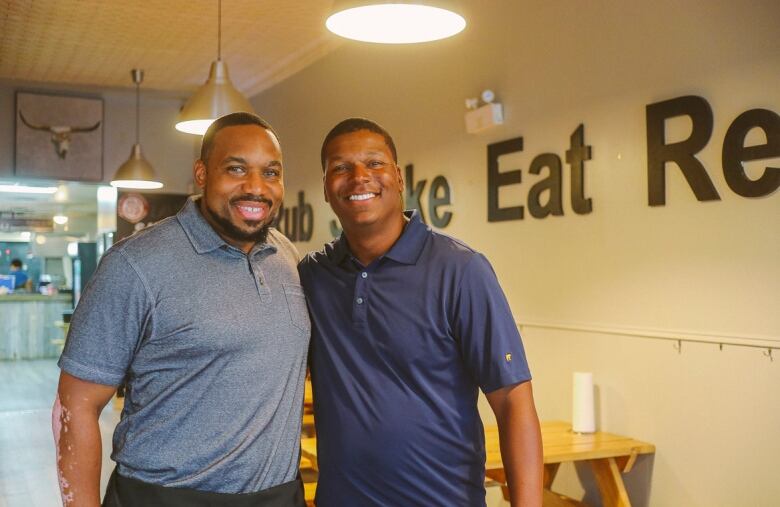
[[199, 173], [324, 191], [400, 178]]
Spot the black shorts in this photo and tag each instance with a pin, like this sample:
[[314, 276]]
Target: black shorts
[[125, 492]]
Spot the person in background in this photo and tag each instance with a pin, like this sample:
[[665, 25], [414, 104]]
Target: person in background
[[408, 324], [22, 280], [203, 318]]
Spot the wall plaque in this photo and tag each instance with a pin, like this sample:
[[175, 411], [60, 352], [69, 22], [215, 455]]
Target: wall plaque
[[59, 137]]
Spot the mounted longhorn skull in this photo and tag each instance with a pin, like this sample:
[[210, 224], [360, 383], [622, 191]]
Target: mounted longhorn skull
[[60, 135]]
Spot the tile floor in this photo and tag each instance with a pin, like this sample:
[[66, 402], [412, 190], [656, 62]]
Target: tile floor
[[28, 476]]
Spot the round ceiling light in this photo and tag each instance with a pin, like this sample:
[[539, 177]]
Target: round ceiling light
[[395, 23]]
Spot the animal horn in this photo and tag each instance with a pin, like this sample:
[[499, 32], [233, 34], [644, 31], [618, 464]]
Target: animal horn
[[34, 127], [85, 129]]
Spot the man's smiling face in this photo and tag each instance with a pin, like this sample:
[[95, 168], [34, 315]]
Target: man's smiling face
[[242, 184], [362, 181]]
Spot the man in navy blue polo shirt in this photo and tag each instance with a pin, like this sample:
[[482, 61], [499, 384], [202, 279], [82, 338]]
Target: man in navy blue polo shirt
[[408, 324]]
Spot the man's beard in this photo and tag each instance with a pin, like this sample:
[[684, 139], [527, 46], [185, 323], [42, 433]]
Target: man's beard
[[229, 228]]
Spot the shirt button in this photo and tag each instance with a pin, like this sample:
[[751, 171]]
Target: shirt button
[[364, 274], [360, 301]]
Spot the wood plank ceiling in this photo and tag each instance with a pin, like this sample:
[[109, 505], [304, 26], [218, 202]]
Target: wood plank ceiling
[[97, 42]]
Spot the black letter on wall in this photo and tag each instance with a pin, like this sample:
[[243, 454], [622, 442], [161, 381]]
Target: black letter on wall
[[552, 183], [681, 153], [283, 223], [576, 156], [434, 201], [735, 152], [335, 229], [306, 217], [498, 179], [412, 195]]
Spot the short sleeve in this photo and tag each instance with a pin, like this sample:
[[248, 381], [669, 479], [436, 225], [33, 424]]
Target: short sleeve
[[303, 271], [108, 323], [486, 330]]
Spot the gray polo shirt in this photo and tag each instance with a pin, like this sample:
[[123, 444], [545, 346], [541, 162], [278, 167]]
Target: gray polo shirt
[[212, 344]]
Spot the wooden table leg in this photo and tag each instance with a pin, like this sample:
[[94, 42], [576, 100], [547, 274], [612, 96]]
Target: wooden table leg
[[626, 463], [610, 482], [550, 470], [498, 475]]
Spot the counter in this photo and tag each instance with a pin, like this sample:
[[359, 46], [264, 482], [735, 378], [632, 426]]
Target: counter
[[27, 325]]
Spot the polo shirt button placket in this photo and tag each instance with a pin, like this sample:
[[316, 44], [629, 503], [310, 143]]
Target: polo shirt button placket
[[262, 288], [360, 306]]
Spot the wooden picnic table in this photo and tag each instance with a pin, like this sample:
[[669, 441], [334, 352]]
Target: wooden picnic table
[[609, 456]]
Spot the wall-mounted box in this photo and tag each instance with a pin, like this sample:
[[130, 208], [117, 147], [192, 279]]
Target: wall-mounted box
[[485, 117]]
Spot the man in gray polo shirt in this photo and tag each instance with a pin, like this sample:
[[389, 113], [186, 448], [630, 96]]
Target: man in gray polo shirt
[[203, 318]]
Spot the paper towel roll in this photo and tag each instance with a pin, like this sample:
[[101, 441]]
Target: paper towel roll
[[583, 419]]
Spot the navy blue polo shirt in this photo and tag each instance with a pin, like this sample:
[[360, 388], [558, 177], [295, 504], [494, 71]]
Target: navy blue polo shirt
[[399, 350]]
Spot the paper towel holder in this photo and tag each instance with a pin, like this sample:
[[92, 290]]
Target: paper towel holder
[[583, 419]]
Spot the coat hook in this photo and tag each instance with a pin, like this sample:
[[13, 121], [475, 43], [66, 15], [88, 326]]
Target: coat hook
[[720, 346], [678, 346], [768, 354]]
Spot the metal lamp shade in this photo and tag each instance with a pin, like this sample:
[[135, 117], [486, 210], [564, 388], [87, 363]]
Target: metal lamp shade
[[136, 172], [217, 97]]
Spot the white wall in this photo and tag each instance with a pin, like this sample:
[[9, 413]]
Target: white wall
[[684, 268]]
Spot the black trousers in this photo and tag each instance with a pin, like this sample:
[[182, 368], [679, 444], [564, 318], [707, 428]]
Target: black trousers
[[125, 492]]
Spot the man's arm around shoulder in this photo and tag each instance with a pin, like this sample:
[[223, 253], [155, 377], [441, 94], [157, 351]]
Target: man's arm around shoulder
[[521, 442], [77, 439]]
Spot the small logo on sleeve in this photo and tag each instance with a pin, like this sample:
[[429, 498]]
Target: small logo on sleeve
[[508, 357]]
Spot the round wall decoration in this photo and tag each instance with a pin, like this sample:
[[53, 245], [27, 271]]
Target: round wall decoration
[[132, 207]]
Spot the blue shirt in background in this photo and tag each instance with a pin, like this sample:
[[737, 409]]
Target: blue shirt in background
[[21, 278], [399, 350]]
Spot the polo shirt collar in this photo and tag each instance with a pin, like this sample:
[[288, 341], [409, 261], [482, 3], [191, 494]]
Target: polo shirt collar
[[406, 250], [410, 245], [203, 236], [340, 250]]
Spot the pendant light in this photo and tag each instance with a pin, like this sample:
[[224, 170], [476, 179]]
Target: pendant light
[[395, 22], [217, 97], [136, 172]]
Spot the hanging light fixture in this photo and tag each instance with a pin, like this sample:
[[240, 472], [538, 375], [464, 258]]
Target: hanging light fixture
[[136, 172], [217, 97], [395, 22], [60, 219]]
